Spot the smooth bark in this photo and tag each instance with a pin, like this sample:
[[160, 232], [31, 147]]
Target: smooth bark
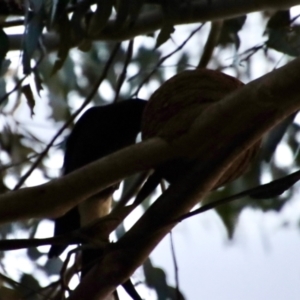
[[196, 12]]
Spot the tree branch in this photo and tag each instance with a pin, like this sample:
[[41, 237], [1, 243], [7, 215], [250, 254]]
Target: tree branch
[[195, 12], [56, 197], [263, 100], [258, 106], [211, 43]]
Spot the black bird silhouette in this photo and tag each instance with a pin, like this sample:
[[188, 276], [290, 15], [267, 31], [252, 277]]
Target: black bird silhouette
[[99, 132]]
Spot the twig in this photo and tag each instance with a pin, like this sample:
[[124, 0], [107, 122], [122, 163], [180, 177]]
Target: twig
[[163, 189], [16, 244], [175, 266], [64, 280], [18, 84], [122, 76], [18, 163], [261, 192], [85, 103], [165, 58], [269, 190], [249, 52], [68, 274], [212, 40]]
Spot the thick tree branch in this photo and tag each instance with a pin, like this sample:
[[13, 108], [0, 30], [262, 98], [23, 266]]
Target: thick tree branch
[[195, 12], [263, 99], [211, 43], [258, 106], [56, 197]]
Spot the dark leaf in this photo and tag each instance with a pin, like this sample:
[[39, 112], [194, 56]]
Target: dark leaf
[[164, 34], [276, 187], [85, 45], [146, 57], [55, 8], [100, 16], [4, 45], [229, 215], [61, 84], [3, 92], [156, 279], [4, 66], [182, 62], [283, 37], [265, 191], [174, 294], [51, 8], [58, 9], [53, 266], [272, 204], [135, 8], [34, 253], [59, 109], [26, 90], [285, 40], [11, 143], [123, 9], [230, 29], [79, 18], [33, 32], [28, 286], [274, 137], [65, 44], [280, 19]]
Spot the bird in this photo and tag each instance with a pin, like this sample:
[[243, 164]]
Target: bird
[[100, 131], [168, 113]]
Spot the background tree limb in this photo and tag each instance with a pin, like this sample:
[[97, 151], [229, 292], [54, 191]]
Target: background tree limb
[[266, 109], [263, 99], [195, 12]]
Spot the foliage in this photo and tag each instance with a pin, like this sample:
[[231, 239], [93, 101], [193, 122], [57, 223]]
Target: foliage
[[53, 80]]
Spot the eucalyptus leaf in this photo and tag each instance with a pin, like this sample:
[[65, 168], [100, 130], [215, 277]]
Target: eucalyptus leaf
[[34, 29], [230, 29], [65, 32], [282, 35], [26, 90], [100, 17], [122, 8], [4, 46], [164, 34]]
